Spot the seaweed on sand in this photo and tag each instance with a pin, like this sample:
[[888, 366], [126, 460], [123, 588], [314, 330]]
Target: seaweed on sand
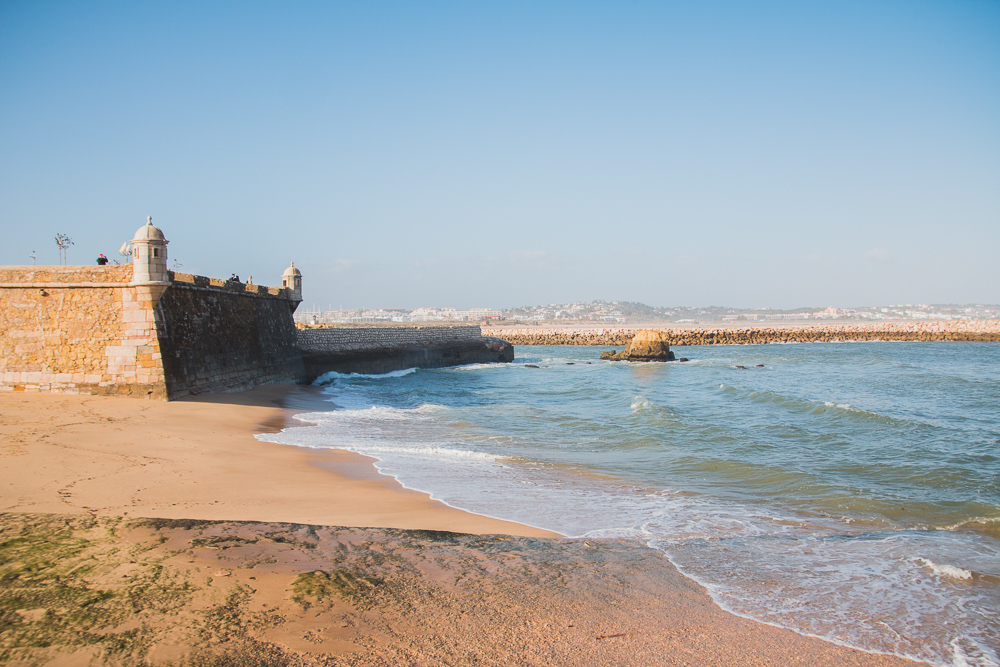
[[63, 586]]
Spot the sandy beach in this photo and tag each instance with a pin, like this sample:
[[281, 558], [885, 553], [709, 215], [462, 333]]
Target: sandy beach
[[164, 532], [197, 459]]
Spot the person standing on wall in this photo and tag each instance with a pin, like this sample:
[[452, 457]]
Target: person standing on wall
[[101, 259]]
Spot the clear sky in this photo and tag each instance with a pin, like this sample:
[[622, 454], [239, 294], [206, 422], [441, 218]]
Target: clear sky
[[499, 154]]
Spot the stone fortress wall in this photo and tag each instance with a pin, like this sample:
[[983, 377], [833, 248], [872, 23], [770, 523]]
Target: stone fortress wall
[[141, 330], [87, 330], [223, 336], [77, 329]]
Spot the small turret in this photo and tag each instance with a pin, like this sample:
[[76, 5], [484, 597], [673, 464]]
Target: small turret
[[149, 254], [149, 259], [292, 279]]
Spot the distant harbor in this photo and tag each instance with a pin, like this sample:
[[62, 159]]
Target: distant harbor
[[631, 314]]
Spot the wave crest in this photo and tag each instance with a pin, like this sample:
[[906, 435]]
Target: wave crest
[[331, 376]]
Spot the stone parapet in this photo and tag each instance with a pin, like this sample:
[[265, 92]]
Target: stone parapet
[[28, 277], [187, 280]]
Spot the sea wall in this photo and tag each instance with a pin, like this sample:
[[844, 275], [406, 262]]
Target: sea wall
[[224, 336], [77, 329], [962, 330], [385, 349], [89, 330]]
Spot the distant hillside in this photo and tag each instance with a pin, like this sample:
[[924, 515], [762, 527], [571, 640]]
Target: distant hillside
[[625, 312]]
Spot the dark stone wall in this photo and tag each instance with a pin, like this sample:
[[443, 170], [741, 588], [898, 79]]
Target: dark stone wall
[[398, 357], [215, 340], [385, 349]]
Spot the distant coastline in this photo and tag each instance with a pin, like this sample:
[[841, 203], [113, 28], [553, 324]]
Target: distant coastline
[[743, 334]]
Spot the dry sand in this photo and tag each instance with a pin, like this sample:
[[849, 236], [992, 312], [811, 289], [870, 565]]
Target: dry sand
[[250, 584]]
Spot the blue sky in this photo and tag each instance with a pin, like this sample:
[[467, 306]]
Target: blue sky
[[776, 154]]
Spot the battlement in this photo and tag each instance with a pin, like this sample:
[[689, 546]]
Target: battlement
[[187, 280]]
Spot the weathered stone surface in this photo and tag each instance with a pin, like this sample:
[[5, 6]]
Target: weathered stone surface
[[88, 330], [646, 345], [224, 340], [77, 329], [385, 349], [649, 345], [91, 330]]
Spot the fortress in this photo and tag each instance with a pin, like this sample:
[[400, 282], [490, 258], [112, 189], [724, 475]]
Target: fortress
[[141, 330]]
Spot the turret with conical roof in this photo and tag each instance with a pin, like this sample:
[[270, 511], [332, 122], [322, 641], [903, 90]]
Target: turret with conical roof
[[149, 255], [292, 279], [149, 260]]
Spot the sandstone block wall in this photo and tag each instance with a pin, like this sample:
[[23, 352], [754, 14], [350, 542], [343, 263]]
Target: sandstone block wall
[[85, 329], [77, 329]]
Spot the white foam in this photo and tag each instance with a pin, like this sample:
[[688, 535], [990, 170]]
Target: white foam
[[329, 377], [370, 414], [436, 452], [479, 367], [968, 652], [945, 570], [639, 403]]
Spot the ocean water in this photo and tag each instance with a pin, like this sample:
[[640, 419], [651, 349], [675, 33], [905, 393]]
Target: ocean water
[[848, 491]]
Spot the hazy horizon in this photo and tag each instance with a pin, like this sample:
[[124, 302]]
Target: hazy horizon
[[312, 307], [774, 153]]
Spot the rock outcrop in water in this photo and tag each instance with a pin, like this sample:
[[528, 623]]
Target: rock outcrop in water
[[648, 345]]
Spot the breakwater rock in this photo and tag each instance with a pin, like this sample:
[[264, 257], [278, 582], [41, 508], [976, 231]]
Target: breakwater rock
[[964, 330], [648, 345]]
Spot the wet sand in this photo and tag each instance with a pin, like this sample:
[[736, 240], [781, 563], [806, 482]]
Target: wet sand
[[273, 555], [197, 459]]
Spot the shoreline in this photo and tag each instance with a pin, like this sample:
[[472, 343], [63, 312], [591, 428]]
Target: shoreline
[[275, 594], [189, 473], [196, 458]]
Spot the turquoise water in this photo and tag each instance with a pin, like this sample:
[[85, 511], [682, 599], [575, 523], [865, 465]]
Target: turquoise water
[[849, 491]]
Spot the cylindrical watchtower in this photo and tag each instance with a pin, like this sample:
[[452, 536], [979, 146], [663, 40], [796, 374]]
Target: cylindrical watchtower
[[149, 260], [292, 279]]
